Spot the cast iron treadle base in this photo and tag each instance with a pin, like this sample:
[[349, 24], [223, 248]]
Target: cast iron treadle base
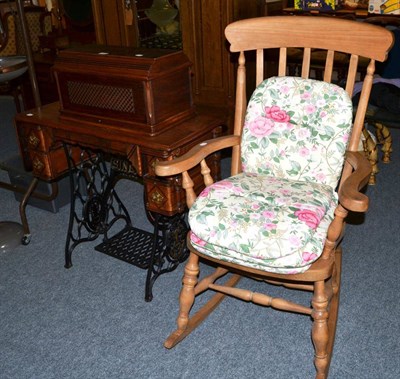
[[131, 245], [96, 207]]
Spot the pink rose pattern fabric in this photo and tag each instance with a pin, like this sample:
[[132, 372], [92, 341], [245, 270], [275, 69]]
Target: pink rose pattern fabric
[[274, 216], [297, 129], [285, 234]]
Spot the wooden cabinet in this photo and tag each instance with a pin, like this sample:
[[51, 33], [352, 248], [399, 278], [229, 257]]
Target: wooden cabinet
[[146, 90], [115, 22], [202, 25]]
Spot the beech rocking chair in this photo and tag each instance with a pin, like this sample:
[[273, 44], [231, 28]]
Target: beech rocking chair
[[296, 172]]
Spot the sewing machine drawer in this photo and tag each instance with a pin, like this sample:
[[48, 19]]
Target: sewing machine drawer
[[36, 138], [47, 165], [51, 164]]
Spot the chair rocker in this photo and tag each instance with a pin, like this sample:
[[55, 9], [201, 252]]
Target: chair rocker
[[295, 174]]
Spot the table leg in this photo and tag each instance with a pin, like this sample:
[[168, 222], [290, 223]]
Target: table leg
[[172, 231], [95, 206]]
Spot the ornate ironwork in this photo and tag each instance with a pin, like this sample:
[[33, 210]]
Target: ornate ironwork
[[95, 208], [172, 230], [158, 252]]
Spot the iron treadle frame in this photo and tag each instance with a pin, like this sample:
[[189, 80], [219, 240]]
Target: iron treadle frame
[[96, 208]]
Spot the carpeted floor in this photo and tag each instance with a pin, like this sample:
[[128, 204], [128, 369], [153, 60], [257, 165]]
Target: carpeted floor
[[91, 321]]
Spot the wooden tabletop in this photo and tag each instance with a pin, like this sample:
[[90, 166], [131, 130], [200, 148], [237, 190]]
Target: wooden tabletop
[[115, 138]]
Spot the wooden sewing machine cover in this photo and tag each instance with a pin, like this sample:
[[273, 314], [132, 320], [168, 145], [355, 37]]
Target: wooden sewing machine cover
[[147, 90]]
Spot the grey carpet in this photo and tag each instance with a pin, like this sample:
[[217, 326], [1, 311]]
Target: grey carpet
[[91, 321]]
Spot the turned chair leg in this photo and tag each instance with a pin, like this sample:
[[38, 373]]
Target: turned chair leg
[[320, 331], [186, 300], [187, 295], [191, 288]]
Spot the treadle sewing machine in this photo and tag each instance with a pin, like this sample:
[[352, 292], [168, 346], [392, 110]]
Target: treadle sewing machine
[[120, 111]]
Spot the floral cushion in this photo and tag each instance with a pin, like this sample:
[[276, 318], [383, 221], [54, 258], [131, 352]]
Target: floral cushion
[[274, 216], [273, 224], [297, 129]]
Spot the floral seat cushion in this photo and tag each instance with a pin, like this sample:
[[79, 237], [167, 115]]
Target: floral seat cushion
[[263, 222], [274, 216]]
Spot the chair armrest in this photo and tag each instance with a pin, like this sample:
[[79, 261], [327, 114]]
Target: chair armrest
[[349, 193], [195, 155]]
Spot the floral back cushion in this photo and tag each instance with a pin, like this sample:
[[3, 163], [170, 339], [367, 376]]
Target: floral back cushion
[[297, 129]]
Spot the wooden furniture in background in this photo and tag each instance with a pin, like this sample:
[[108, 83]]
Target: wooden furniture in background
[[133, 108], [201, 24], [145, 90], [42, 135], [42, 130], [227, 220], [115, 24]]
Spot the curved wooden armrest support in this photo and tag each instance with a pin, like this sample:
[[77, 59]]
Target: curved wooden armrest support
[[195, 155], [349, 193]]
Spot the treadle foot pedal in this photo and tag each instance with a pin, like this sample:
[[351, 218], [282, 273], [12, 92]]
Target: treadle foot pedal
[[131, 245]]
